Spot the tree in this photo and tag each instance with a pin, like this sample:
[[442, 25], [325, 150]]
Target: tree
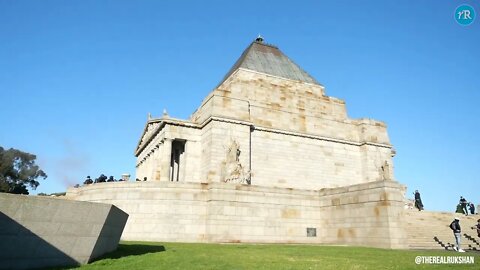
[[18, 171]]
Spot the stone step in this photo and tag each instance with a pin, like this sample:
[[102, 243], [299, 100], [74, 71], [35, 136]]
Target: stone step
[[419, 246], [422, 227]]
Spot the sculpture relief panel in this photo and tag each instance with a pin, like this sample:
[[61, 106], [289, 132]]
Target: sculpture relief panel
[[232, 169]]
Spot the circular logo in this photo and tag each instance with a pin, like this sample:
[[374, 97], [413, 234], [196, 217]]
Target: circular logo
[[464, 14]]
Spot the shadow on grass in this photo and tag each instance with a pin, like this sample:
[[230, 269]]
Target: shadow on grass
[[122, 251], [131, 250]]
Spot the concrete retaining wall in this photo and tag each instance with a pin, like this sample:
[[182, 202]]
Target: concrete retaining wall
[[37, 232]]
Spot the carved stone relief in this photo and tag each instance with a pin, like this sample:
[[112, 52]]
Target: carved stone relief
[[232, 170], [385, 171]]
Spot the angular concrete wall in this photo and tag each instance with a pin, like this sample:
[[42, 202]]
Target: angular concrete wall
[[37, 232]]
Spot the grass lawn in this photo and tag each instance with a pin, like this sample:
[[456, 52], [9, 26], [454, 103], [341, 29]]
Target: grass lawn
[[149, 255]]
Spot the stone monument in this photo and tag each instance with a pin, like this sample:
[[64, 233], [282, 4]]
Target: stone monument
[[268, 157]]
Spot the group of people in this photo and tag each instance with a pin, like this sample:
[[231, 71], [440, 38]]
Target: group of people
[[101, 179], [463, 207], [457, 232]]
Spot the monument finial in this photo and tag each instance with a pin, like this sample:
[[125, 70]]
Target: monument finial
[[149, 116], [165, 113], [259, 39]]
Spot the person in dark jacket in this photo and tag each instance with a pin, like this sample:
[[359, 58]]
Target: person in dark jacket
[[472, 208], [457, 232], [418, 201], [463, 202], [88, 181]]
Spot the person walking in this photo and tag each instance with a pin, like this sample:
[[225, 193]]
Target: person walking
[[418, 201], [457, 232]]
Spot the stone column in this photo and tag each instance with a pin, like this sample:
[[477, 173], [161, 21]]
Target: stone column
[[157, 156], [183, 163], [165, 160]]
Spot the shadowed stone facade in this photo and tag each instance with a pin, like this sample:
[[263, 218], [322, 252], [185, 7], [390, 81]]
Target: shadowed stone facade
[[267, 157]]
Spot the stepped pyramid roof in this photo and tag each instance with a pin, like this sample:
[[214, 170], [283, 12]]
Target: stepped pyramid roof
[[268, 59]]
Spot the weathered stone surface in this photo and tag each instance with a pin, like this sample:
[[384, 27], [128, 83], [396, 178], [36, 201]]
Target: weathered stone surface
[[424, 226], [38, 232], [289, 132], [268, 124], [368, 214]]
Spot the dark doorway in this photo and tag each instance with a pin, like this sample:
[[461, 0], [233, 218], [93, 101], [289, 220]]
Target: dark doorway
[[178, 149]]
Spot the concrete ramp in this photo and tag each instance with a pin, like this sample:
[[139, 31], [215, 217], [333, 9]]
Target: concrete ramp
[[37, 232], [429, 230]]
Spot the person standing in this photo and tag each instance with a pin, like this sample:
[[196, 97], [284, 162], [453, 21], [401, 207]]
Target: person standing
[[418, 201], [463, 202], [459, 209], [457, 232]]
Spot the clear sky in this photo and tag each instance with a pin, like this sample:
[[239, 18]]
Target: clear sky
[[78, 78]]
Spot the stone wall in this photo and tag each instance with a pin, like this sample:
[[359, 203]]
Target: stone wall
[[289, 134], [365, 214], [278, 158], [158, 211], [37, 232], [285, 160], [279, 103]]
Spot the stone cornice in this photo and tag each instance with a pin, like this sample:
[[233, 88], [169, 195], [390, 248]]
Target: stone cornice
[[145, 140], [293, 133], [178, 122]]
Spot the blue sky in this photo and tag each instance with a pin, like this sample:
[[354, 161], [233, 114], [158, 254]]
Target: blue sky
[[78, 78]]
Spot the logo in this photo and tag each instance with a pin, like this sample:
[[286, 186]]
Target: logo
[[464, 14]]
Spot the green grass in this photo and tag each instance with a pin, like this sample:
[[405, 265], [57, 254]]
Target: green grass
[[148, 255]]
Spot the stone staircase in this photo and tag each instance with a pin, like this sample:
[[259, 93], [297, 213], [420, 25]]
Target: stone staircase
[[429, 230]]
